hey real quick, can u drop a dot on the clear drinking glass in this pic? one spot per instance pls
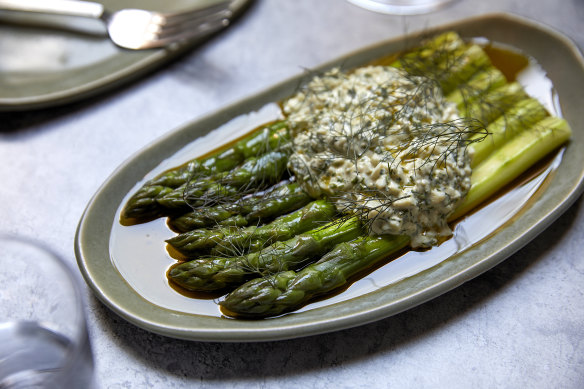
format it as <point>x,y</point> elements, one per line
<point>43,332</point>
<point>402,7</point>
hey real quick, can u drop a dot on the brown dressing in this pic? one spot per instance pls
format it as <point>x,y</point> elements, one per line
<point>508,62</point>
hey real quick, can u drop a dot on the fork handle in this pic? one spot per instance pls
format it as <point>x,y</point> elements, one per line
<point>85,9</point>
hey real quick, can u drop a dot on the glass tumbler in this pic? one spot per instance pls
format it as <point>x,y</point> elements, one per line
<point>43,331</point>
<point>402,7</point>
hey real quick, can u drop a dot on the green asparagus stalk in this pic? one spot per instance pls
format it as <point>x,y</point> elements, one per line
<point>521,116</point>
<point>457,70</point>
<point>283,228</point>
<point>446,59</point>
<point>431,52</point>
<point>480,84</point>
<point>255,174</point>
<point>176,177</point>
<point>450,68</point>
<point>143,205</point>
<point>275,202</point>
<point>204,217</point>
<point>218,273</point>
<point>260,172</point>
<point>494,104</point>
<point>278,200</point>
<point>512,159</point>
<point>289,290</point>
<point>272,137</point>
<point>234,241</point>
<point>175,201</point>
<point>234,221</point>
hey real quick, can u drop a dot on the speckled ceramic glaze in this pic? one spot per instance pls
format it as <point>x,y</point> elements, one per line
<point>566,70</point>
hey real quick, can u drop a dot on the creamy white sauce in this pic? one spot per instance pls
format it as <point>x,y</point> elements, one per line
<point>383,145</point>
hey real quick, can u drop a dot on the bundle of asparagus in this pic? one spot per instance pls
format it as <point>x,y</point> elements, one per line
<point>258,159</point>
<point>245,231</point>
<point>288,290</point>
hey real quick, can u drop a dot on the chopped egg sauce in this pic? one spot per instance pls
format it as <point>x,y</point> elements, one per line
<point>384,145</point>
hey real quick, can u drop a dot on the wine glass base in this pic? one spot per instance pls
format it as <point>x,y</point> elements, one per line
<point>402,7</point>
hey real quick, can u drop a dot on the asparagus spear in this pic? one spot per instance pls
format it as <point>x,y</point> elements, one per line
<point>176,177</point>
<point>260,172</point>
<point>289,290</point>
<point>272,137</point>
<point>521,116</point>
<point>449,68</point>
<point>278,200</point>
<point>234,221</point>
<point>513,158</point>
<point>143,205</point>
<point>283,228</point>
<point>204,217</point>
<point>457,70</point>
<point>480,84</point>
<point>275,202</point>
<point>175,201</point>
<point>229,240</point>
<point>224,272</point>
<point>255,174</point>
<point>494,104</point>
<point>431,52</point>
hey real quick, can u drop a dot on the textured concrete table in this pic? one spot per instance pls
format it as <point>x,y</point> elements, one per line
<point>518,325</point>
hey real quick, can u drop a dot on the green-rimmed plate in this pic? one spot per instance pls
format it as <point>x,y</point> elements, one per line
<point>47,60</point>
<point>125,265</point>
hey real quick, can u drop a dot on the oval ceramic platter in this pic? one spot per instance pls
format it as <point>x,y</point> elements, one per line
<point>125,266</point>
<point>49,60</point>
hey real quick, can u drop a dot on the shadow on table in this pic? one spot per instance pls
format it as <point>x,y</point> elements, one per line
<point>210,361</point>
<point>14,122</point>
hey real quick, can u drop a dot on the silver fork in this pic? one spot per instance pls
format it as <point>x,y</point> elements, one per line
<point>136,29</point>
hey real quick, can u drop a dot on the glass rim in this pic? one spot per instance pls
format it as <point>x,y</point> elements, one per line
<point>402,7</point>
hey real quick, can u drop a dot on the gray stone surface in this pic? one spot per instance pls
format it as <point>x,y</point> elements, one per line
<point>518,325</point>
